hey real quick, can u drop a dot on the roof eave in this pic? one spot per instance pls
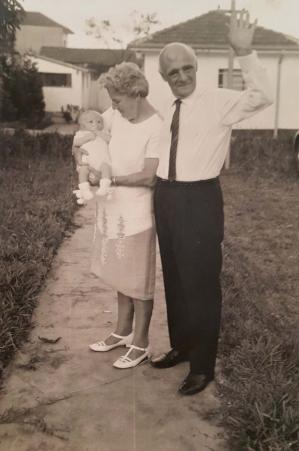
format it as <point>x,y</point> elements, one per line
<point>61,63</point>
<point>67,30</point>
<point>218,48</point>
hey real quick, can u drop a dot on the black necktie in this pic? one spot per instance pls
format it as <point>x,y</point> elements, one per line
<point>174,128</point>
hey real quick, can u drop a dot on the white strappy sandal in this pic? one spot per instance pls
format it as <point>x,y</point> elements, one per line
<point>126,362</point>
<point>101,346</point>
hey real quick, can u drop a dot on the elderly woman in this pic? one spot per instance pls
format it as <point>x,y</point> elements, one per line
<point>124,244</point>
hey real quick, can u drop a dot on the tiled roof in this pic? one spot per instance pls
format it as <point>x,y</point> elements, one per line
<point>210,31</point>
<point>37,19</point>
<point>90,57</point>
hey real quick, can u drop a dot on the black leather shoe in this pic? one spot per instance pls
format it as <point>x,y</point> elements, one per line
<point>194,383</point>
<point>170,359</point>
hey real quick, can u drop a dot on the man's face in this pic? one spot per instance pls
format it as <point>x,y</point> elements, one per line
<point>179,70</point>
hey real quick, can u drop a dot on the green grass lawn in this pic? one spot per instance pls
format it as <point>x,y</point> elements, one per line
<point>36,205</point>
<point>259,344</point>
<point>259,347</point>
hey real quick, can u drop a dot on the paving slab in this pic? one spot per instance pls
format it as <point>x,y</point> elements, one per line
<point>63,397</point>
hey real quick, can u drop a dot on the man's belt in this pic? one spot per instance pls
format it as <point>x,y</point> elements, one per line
<point>187,182</point>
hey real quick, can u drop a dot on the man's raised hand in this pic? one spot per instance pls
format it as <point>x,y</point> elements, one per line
<point>241,32</point>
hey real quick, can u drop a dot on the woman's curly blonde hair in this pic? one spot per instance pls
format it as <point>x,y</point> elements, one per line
<point>125,78</point>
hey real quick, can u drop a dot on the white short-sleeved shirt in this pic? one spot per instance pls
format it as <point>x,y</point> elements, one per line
<point>97,150</point>
<point>129,209</point>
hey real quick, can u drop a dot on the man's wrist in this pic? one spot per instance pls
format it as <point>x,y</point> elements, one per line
<point>114,181</point>
<point>242,51</point>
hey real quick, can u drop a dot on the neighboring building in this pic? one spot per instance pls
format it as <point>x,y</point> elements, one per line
<point>207,35</point>
<point>68,74</point>
<point>37,30</point>
<point>64,84</point>
<point>98,60</point>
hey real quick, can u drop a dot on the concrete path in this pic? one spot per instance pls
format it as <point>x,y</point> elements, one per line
<point>63,397</point>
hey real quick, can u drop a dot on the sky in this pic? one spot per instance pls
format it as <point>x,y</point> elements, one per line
<point>278,15</point>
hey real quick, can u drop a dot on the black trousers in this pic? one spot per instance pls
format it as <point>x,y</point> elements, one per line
<point>189,221</point>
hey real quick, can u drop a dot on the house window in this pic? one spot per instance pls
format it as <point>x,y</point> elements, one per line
<point>237,79</point>
<point>57,80</point>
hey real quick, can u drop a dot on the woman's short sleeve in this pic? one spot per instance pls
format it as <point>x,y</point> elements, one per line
<point>152,148</point>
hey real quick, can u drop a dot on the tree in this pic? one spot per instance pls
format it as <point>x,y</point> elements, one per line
<point>11,13</point>
<point>139,25</point>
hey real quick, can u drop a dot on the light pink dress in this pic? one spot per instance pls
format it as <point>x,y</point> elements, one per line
<point>124,252</point>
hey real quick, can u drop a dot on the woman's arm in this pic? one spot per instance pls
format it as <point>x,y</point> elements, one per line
<point>146,177</point>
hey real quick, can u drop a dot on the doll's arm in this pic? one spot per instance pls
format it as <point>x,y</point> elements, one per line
<point>78,153</point>
<point>105,135</point>
<point>79,139</point>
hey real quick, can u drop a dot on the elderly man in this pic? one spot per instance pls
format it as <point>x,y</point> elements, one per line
<point>188,200</point>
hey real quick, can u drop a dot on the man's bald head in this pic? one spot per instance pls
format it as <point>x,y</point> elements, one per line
<point>171,52</point>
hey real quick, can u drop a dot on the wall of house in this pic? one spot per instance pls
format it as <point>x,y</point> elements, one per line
<point>86,84</point>
<point>56,97</point>
<point>33,38</point>
<point>289,97</point>
<point>98,98</point>
<point>208,66</point>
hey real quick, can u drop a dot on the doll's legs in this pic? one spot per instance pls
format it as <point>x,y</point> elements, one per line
<point>105,181</point>
<point>83,172</point>
<point>106,171</point>
<point>84,187</point>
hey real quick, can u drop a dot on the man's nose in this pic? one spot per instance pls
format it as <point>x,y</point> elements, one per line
<point>182,76</point>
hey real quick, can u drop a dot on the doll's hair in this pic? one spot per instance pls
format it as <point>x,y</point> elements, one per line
<point>125,78</point>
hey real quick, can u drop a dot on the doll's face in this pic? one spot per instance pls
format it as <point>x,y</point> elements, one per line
<point>92,122</point>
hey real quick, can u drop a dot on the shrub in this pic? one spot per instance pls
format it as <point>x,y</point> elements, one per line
<point>22,90</point>
<point>257,152</point>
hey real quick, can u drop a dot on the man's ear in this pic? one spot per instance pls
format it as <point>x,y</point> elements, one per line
<point>163,76</point>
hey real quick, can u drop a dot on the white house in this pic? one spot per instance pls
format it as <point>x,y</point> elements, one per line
<point>207,34</point>
<point>37,30</point>
<point>69,75</point>
<point>64,83</point>
<point>97,61</point>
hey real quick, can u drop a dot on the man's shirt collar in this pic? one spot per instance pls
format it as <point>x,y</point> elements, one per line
<point>187,100</point>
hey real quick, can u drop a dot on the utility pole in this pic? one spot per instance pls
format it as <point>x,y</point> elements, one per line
<point>231,52</point>
<point>278,87</point>
<point>230,74</point>
<point>230,71</point>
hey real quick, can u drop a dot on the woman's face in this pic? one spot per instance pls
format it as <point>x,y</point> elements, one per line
<point>126,105</point>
